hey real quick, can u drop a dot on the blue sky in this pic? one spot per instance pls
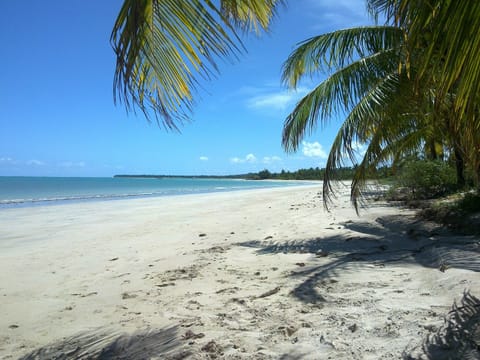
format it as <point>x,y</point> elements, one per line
<point>57,116</point>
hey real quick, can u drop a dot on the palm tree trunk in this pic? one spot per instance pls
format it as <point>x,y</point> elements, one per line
<point>459,166</point>
<point>432,151</point>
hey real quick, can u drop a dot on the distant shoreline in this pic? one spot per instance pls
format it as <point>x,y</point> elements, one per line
<point>242,177</point>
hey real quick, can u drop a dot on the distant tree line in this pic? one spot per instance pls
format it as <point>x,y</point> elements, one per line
<point>344,173</point>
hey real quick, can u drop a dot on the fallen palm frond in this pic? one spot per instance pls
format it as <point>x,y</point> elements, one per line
<point>458,338</point>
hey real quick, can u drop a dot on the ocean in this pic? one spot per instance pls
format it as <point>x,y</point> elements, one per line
<point>19,191</point>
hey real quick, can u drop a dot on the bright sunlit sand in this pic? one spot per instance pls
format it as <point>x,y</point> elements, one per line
<point>248,274</point>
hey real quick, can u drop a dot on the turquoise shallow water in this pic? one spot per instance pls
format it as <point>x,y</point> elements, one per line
<point>30,191</point>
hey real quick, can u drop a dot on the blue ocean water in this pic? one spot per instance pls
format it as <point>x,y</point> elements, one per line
<point>29,191</point>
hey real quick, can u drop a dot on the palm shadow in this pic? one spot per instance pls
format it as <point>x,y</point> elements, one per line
<point>106,345</point>
<point>390,239</point>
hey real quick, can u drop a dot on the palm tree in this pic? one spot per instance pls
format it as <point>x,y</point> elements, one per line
<point>447,31</point>
<point>394,103</point>
<point>365,84</point>
<point>163,48</point>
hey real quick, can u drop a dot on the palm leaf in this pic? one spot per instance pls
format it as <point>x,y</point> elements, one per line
<point>458,338</point>
<point>333,51</point>
<point>340,92</point>
<point>446,31</point>
<point>163,48</point>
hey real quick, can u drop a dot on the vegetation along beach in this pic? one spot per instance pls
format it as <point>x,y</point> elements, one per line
<point>309,194</point>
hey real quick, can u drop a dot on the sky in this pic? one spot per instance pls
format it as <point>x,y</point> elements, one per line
<point>58,117</point>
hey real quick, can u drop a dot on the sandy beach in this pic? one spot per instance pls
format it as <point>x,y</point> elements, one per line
<point>258,274</point>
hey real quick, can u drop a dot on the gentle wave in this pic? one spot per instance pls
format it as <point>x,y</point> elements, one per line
<point>75,198</point>
<point>31,191</point>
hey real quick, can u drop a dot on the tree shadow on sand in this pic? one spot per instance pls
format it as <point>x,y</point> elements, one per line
<point>390,239</point>
<point>104,345</point>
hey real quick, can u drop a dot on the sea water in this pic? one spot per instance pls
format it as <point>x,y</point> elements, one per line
<point>29,191</point>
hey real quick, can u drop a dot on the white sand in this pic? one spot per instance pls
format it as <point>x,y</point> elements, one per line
<point>261,273</point>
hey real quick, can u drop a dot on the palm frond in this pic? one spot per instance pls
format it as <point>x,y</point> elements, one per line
<point>338,94</point>
<point>250,15</point>
<point>398,136</point>
<point>333,51</point>
<point>363,121</point>
<point>446,31</point>
<point>163,48</point>
<point>458,338</point>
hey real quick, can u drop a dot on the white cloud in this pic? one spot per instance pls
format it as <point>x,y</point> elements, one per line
<point>69,164</point>
<point>271,159</point>
<point>314,149</point>
<point>7,160</point>
<point>203,158</point>
<point>279,100</point>
<point>275,101</point>
<point>250,158</point>
<point>35,162</point>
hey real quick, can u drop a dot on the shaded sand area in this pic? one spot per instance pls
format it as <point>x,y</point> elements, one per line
<point>260,274</point>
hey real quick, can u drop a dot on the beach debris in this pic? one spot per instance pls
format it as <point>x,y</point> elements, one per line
<point>13,326</point>
<point>114,259</point>
<point>238,301</point>
<point>268,237</point>
<point>231,290</point>
<point>353,328</point>
<point>443,267</point>
<point>189,334</point>
<point>84,295</point>
<point>165,284</point>
<point>212,347</point>
<point>202,235</point>
<point>287,330</point>
<point>121,275</point>
<point>269,293</point>
<point>193,305</point>
<point>215,249</point>
<point>321,253</point>
<point>327,342</point>
<point>126,295</point>
<point>301,264</point>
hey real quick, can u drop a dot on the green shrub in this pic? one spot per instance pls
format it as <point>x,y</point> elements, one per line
<point>470,203</point>
<point>427,179</point>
